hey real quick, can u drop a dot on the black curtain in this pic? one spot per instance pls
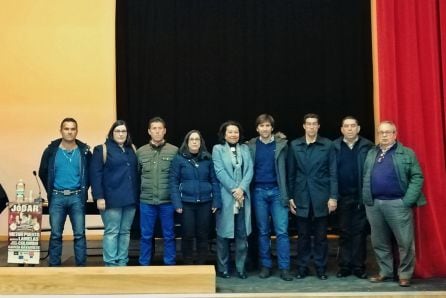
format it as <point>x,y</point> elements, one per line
<point>3,199</point>
<point>198,63</point>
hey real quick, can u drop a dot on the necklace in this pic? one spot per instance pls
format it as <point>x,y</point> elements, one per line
<point>69,154</point>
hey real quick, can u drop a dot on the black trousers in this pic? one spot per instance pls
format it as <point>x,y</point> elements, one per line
<point>316,227</point>
<point>196,224</point>
<point>353,227</point>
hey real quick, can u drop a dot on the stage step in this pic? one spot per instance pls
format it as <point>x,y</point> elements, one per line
<point>107,280</point>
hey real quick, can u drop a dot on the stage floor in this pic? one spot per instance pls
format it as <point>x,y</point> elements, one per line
<point>254,284</point>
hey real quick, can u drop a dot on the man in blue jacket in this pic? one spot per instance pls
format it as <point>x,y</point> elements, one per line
<point>64,173</point>
<point>313,188</point>
<point>351,150</point>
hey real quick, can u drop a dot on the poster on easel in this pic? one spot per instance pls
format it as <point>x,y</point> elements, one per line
<point>24,223</point>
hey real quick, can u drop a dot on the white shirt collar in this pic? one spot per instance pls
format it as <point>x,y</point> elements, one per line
<point>352,144</point>
<point>385,149</point>
<point>268,141</point>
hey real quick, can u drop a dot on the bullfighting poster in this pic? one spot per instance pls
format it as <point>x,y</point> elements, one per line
<point>24,223</point>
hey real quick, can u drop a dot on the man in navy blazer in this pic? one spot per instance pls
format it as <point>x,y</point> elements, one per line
<point>351,151</point>
<point>313,187</point>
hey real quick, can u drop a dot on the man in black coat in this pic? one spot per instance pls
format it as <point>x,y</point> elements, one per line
<point>351,151</point>
<point>313,188</point>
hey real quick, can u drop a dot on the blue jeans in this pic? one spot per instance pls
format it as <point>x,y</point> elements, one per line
<point>149,213</point>
<point>60,207</point>
<point>115,244</point>
<point>268,202</point>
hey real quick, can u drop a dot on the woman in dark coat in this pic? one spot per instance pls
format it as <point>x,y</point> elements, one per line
<point>115,183</point>
<point>195,193</point>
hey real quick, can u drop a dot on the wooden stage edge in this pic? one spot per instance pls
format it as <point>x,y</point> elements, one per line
<point>150,281</point>
<point>107,280</point>
<point>147,281</point>
<point>318,295</point>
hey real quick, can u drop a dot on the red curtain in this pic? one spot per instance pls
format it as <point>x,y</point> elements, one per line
<point>411,54</point>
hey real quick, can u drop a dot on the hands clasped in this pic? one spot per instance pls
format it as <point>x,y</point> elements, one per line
<point>238,194</point>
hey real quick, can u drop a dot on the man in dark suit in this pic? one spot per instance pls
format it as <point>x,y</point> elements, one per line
<point>313,187</point>
<point>351,150</point>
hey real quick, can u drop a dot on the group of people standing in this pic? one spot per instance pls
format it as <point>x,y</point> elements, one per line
<point>310,177</point>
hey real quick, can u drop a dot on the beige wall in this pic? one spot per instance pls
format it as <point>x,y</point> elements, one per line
<point>57,59</point>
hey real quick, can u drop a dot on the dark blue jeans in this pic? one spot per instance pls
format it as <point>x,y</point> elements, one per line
<point>148,215</point>
<point>268,203</point>
<point>60,207</point>
<point>316,227</point>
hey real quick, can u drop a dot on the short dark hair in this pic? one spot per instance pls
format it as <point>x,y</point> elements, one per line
<point>157,119</point>
<point>262,118</point>
<point>184,148</point>
<point>222,131</point>
<point>68,119</point>
<point>311,115</point>
<point>128,141</point>
<point>349,117</point>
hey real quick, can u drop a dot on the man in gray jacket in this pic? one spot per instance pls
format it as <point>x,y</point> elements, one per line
<point>270,197</point>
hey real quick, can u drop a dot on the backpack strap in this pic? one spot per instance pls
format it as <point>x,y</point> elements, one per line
<point>104,153</point>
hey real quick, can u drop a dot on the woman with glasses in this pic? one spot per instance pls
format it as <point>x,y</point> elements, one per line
<point>195,194</point>
<point>115,188</point>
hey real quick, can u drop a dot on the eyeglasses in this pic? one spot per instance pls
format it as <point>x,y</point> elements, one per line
<point>195,139</point>
<point>120,131</point>
<point>386,132</point>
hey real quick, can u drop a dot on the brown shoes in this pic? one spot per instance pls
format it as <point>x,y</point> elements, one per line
<point>404,282</point>
<point>379,278</point>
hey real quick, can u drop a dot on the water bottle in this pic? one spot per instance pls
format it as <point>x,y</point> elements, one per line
<point>20,191</point>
